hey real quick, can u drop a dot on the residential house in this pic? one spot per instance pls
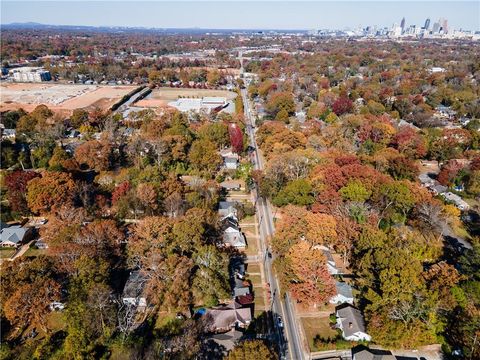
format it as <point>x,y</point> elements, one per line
<point>227,209</point>
<point>133,292</point>
<point>232,236</point>
<point>343,294</point>
<point>230,159</point>
<point>225,318</point>
<point>331,264</point>
<point>426,180</point>
<point>237,267</point>
<point>445,112</point>
<point>8,134</point>
<point>229,339</point>
<point>231,185</point>
<point>14,235</point>
<point>457,200</point>
<point>41,244</point>
<point>438,189</point>
<point>56,306</point>
<point>350,321</point>
<point>373,354</point>
<point>240,287</point>
<point>403,123</point>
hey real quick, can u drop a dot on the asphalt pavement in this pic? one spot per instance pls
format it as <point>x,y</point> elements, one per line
<point>286,330</point>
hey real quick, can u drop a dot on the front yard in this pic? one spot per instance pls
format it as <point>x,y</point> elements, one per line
<point>6,253</point>
<point>317,326</point>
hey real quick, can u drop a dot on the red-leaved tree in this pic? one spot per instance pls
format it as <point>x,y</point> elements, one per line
<point>236,138</point>
<point>16,185</point>
<point>342,105</point>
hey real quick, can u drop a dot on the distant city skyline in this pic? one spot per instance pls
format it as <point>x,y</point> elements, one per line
<point>294,15</point>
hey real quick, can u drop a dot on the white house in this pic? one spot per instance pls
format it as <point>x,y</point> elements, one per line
<point>230,159</point>
<point>232,236</point>
<point>8,134</point>
<point>457,200</point>
<point>331,265</point>
<point>350,321</point>
<point>133,290</point>
<point>344,294</point>
<point>227,209</point>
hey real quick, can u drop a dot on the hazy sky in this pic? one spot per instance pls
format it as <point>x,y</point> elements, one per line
<point>242,14</point>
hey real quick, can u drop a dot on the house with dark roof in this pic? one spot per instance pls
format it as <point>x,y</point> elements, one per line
<point>350,321</point>
<point>133,292</point>
<point>343,294</point>
<point>373,354</point>
<point>14,235</point>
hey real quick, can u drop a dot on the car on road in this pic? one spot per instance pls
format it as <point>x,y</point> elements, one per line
<point>280,322</point>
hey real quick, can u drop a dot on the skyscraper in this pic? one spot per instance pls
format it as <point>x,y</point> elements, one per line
<point>444,24</point>
<point>402,24</point>
<point>427,24</point>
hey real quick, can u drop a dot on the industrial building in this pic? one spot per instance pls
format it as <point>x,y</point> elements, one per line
<point>30,74</point>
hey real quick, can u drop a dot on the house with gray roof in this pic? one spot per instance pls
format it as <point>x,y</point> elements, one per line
<point>373,354</point>
<point>457,200</point>
<point>331,264</point>
<point>343,294</point>
<point>133,292</point>
<point>227,209</point>
<point>350,321</point>
<point>240,288</point>
<point>14,235</point>
<point>224,318</point>
<point>232,236</point>
<point>438,189</point>
<point>230,159</point>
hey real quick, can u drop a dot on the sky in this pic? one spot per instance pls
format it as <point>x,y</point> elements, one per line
<point>243,14</point>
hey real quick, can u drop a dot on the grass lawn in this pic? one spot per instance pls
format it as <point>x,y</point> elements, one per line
<point>255,279</point>
<point>259,299</point>
<point>248,229</point>
<point>33,251</point>
<point>460,231</point>
<point>314,326</point>
<point>165,320</point>
<point>6,253</point>
<point>252,248</point>
<point>248,220</point>
<point>55,321</point>
<point>253,268</point>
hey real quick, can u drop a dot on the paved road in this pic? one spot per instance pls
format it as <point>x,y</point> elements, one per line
<point>291,346</point>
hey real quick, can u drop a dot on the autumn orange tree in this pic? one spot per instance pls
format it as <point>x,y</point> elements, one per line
<point>27,294</point>
<point>53,189</point>
<point>312,282</point>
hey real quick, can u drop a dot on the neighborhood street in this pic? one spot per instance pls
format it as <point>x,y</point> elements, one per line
<point>284,319</point>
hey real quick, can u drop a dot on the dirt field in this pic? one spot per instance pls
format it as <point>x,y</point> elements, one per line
<point>59,97</point>
<point>161,96</point>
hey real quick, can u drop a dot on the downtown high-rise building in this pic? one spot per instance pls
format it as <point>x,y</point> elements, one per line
<point>444,24</point>
<point>402,25</point>
<point>427,24</point>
